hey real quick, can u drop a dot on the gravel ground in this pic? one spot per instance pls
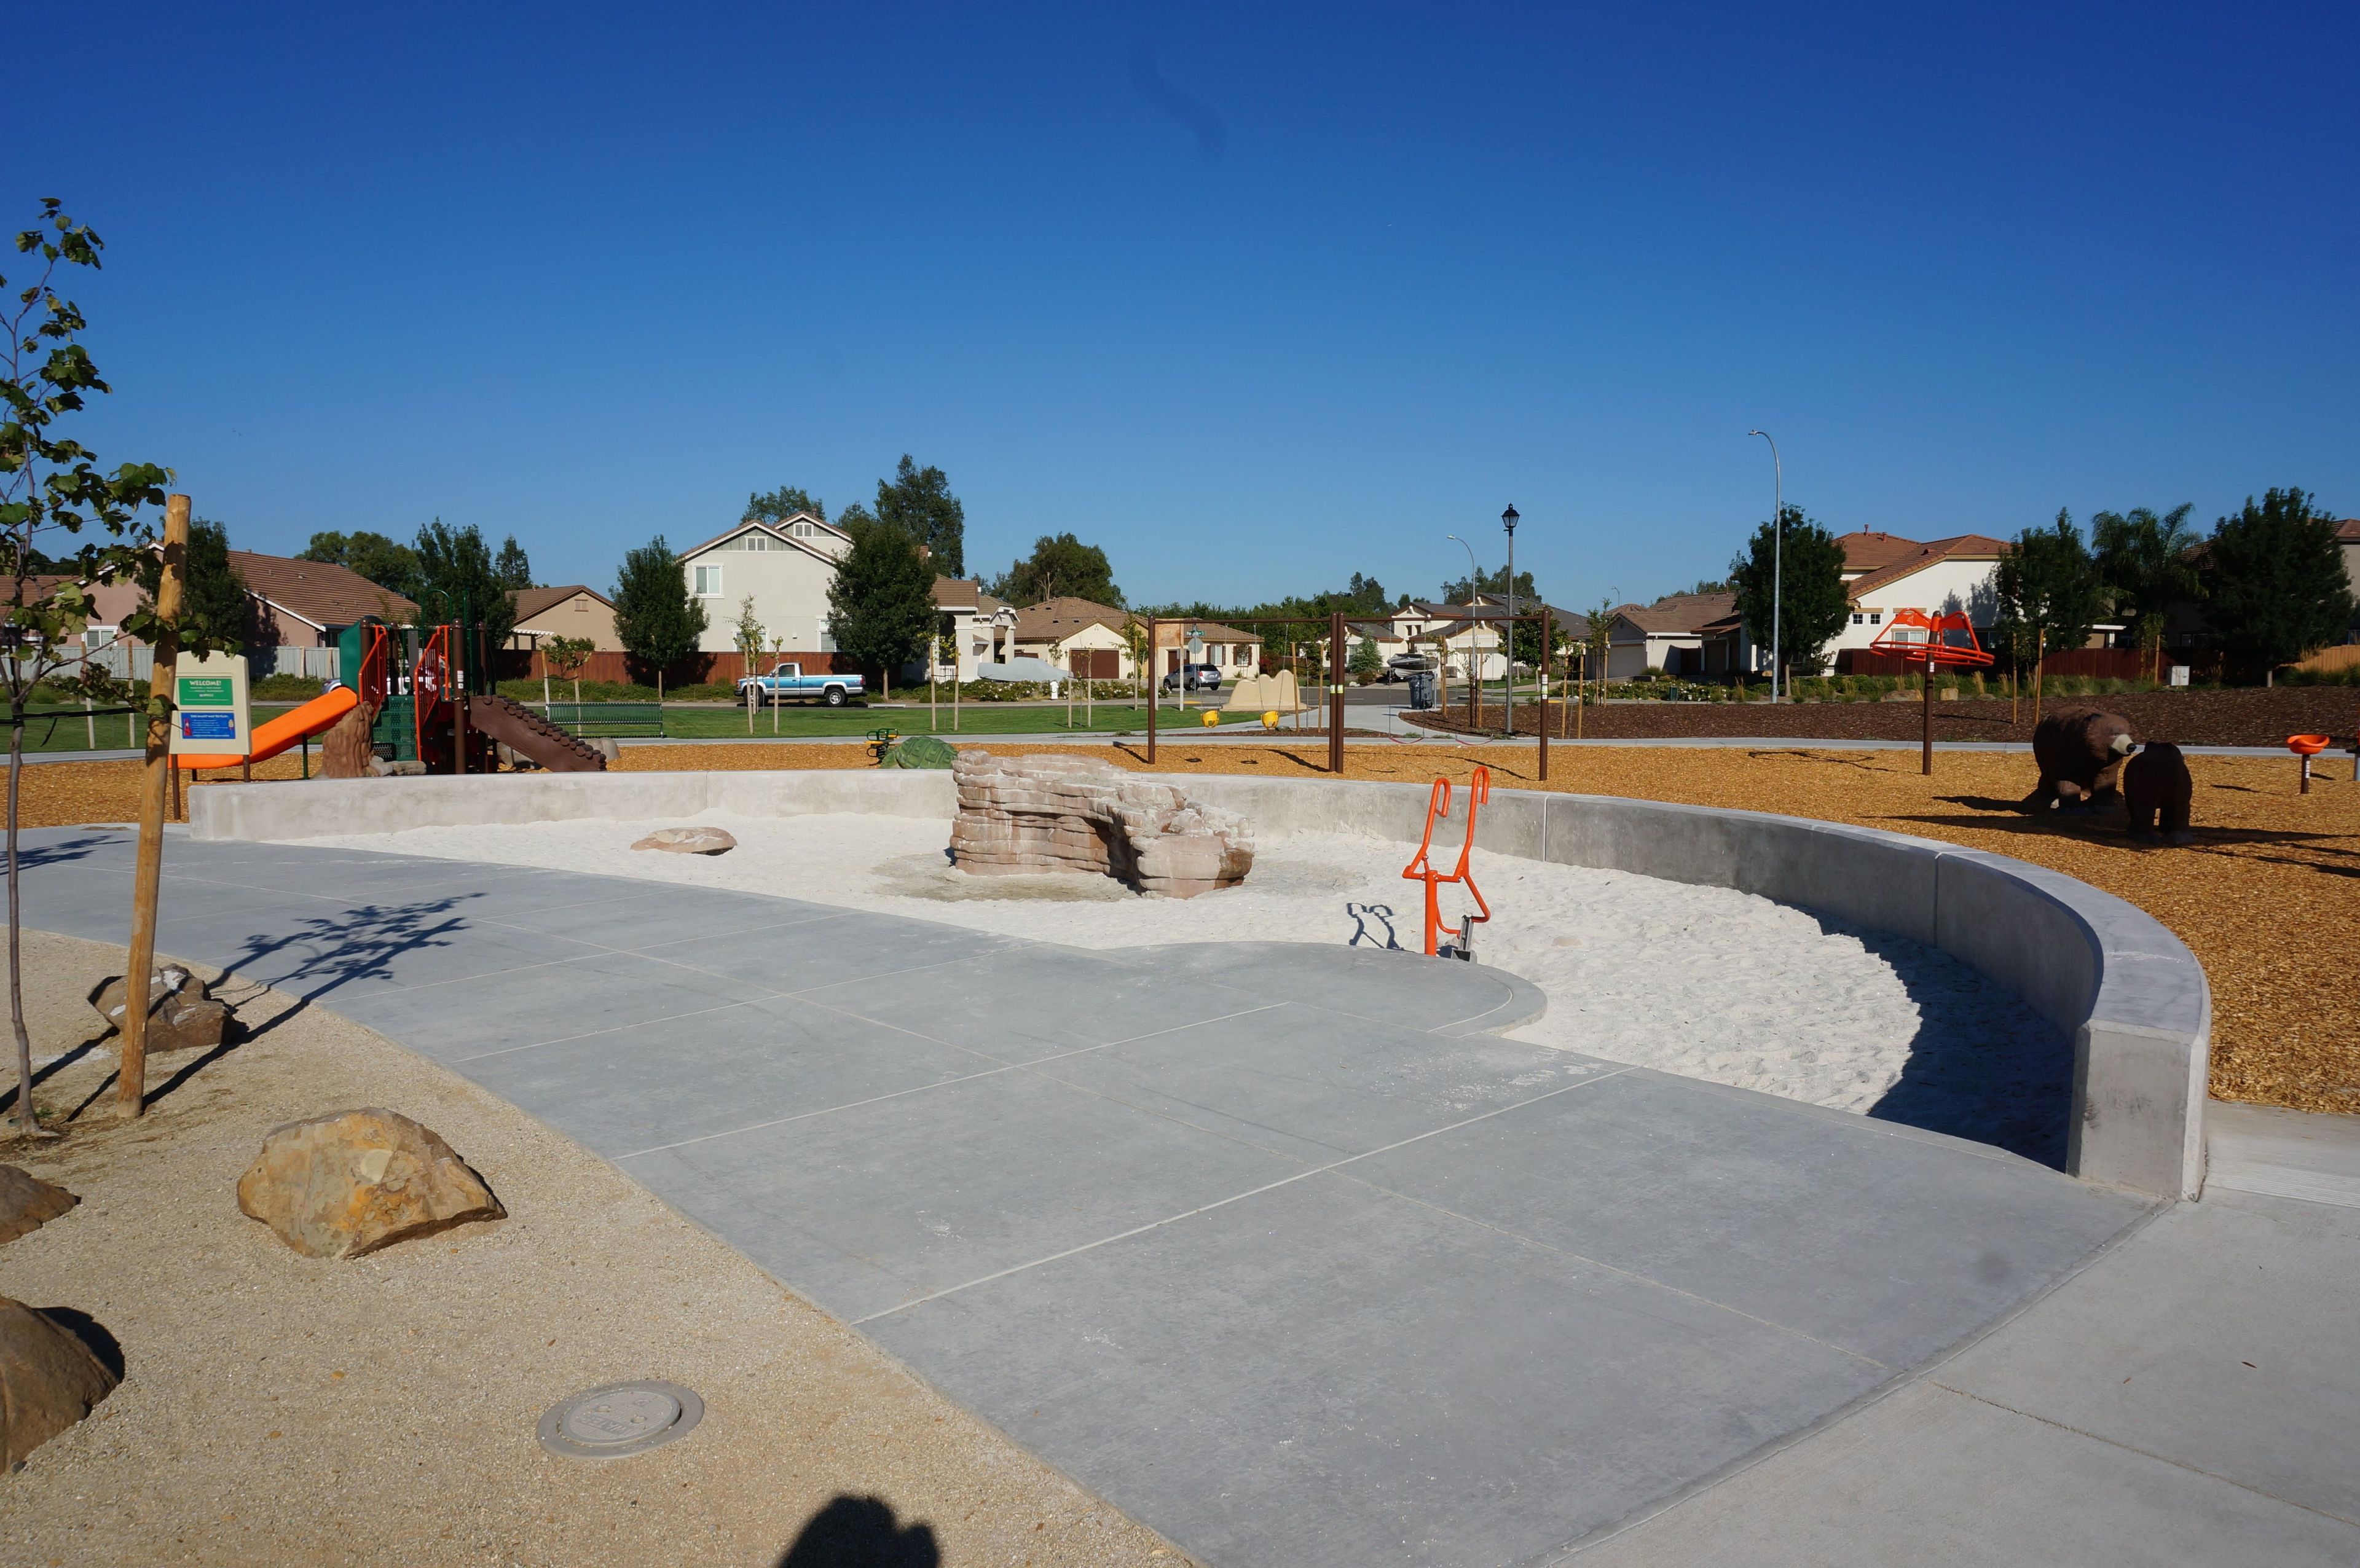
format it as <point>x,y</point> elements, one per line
<point>284,1410</point>
<point>1706,982</point>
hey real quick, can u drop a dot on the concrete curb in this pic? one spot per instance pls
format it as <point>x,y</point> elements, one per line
<point>2133,997</point>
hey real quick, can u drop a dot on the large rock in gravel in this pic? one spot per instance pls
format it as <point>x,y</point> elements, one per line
<point>181,1016</point>
<point>341,1185</point>
<point>689,841</point>
<point>28,1202</point>
<point>49,1381</point>
<point>1078,813</point>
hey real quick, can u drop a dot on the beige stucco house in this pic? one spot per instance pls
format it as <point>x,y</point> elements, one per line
<point>570,611</point>
<point>786,568</point>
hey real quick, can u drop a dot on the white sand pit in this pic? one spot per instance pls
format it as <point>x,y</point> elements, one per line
<point>1705,982</point>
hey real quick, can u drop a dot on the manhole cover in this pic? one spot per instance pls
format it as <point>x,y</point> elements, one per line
<point>619,1418</point>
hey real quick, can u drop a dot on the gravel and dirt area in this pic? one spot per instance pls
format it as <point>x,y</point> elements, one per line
<point>277,1409</point>
<point>2235,716</point>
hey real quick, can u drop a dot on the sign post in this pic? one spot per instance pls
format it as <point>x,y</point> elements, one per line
<point>211,712</point>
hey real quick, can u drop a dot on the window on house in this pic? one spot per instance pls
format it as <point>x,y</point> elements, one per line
<point>581,607</point>
<point>708,582</point>
<point>1858,619</point>
<point>1876,618</point>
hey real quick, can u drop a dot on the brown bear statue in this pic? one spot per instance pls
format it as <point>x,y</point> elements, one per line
<point>2079,754</point>
<point>2156,788</point>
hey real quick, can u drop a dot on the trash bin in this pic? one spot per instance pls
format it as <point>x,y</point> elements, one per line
<point>1421,688</point>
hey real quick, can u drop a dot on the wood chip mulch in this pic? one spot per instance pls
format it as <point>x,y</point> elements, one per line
<point>2267,898</point>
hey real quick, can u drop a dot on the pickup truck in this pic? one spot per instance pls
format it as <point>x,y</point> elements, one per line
<point>787,682</point>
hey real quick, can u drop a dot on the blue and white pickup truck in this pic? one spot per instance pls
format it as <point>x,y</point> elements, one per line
<point>787,682</point>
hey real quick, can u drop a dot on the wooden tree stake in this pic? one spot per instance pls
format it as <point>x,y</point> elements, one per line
<point>148,874</point>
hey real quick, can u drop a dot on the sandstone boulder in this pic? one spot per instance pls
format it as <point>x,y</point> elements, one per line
<point>49,1381</point>
<point>28,1202</point>
<point>340,1185</point>
<point>1082,814</point>
<point>688,840</point>
<point>181,1016</point>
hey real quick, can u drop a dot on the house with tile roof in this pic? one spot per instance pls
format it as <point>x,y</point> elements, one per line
<point>1669,635</point>
<point>970,619</point>
<point>1883,573</point>
<point>306,603</point>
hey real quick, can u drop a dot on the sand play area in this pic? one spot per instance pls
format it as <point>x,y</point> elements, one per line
<point>1705,982</point>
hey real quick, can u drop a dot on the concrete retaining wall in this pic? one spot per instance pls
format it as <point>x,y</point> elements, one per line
<point>2133,997</point>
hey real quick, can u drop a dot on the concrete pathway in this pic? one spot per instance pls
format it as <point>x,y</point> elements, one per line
<point>1280,1248</point>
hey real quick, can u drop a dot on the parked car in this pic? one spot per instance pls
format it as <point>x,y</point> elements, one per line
<point>787,683</point>
<point>1200,678</point>
<point>1401,666</point>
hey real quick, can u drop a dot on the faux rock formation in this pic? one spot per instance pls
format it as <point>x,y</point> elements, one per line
<point>2158,791</point>
<point>2079,754</point>
<point>49,1381</point>
<point>341,1185</point>
<point>181,1016</point>
<point>28,1202</point>
<point>688,840</point>
<point>1080,814</point>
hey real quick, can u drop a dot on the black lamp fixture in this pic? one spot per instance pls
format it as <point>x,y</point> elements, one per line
<point>1508,519</point>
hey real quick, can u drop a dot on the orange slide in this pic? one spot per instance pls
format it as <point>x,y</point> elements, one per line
<point>286,730</point>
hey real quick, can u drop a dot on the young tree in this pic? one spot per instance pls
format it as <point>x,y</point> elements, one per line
<point>919,501</point>
<point>1059,565</point>
<point>52,490</point>
<point>1599,644</point>
<point>457,581</point>
<point>657,618</point>
<point>2145,566</point>
<point>1805,577</point>
<point>778,506</point>
<point>565,657</point>
<point>2047,592</point>
<point>512,567</point>
<point>390,565</point>
<point>2274,583</point>
<point>881,605</point>
<point>1365,663</point>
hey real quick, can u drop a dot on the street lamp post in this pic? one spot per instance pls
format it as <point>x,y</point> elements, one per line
<point>1508,521</point>
<point>1778,555</point>
<point>1474,654</point>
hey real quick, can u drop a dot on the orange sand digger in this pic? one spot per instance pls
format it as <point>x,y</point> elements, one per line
<point>1479,790</point>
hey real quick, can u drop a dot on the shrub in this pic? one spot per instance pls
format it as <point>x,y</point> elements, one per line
<point>284,688</point>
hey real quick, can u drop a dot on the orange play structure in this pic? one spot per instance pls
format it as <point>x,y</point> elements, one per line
<point>288,729</point>
<point>1479,790</point>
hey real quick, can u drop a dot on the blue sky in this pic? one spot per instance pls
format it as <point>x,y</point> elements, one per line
<point>1254,298</point>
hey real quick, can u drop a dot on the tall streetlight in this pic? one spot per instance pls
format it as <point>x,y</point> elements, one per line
<point>1508,521</point>
<point>1778,554</point>
<point>1474,668</point>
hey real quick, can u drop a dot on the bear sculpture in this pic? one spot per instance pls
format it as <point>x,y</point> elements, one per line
<point>2156,788</point>
<point>2079,754</point>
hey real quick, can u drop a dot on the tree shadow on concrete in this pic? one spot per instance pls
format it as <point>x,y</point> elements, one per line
<point>361,944</point>
<point>1980,1066</point>
<point>31,856</point>
<point>861,1532</point>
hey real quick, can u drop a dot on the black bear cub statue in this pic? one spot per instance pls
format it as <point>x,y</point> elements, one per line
<point>2156,788</point>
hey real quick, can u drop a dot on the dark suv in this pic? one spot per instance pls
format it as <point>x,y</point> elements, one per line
<point>1200,678</point>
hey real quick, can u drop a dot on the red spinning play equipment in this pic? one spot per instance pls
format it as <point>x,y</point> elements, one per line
<point>2307,748</point>
<point>1946,640</point>
<point>1479,790</point>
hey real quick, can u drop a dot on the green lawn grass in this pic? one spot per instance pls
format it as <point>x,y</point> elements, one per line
<point>65,729</point>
